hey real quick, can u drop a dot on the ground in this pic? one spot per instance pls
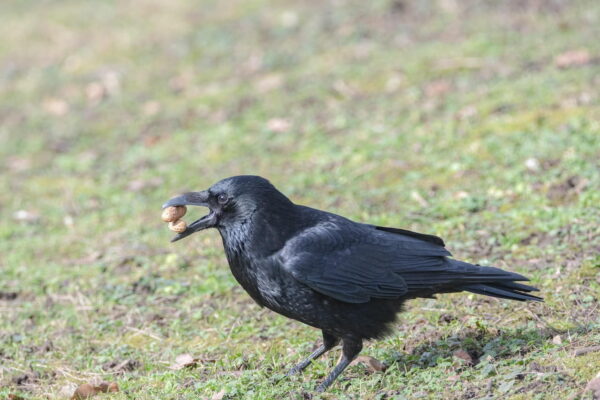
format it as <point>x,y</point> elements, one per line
<point>476,121</point>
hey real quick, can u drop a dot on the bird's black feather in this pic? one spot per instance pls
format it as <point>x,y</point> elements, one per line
<point>355,263</point>
<point>349,279</point>
<point>421,236</point>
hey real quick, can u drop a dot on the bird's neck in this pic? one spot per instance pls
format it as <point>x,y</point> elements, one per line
<point>263,233</point>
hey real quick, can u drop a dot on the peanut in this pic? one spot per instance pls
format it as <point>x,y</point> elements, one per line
<point>172,214</point>
<point>178,226</point>
<point>84,391</point>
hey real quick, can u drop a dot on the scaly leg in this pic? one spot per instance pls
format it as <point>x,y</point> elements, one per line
<point>350,349</point>
<point>329,341</point>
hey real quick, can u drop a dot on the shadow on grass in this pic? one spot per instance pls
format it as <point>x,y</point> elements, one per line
<point>481,346</point>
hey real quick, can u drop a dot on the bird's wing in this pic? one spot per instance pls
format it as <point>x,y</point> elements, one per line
<point>421,236</point>
<point>353,262</point>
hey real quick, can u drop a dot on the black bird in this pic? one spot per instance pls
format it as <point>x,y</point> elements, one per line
<point>346,278</point>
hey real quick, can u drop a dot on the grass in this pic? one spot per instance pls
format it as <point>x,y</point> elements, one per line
<point>449,118</point>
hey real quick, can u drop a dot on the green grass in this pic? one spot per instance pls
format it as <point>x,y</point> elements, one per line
<point>448,118</point>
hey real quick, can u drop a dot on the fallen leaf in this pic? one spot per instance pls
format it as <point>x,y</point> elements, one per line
<point>184,361</point>
<point>344,89</point>
<point>372,364</point>
<point>151,108</point>
<point>219,395</point>
<point>461,195</point>
<point>95,92</point>
<point>111,82</point>
<point>416,196</point>
<point>84,391</point>
<point>112,388</point>
<point>594,386</point>
<point>394,83</point>
<point>69,221</point>
<point>467,112</point>
<point>66,391</point>
<point>151,140</point>
<point>15,397</point>
<point>18,164</point>
<point>578,100</point>
<point>87,390</point>
<point>278,125</point>
<point>56,107</point>
<point>26,216</point>
<point>557,339</point>
<point>532,164</point>
<point>572,58</point>
<point>437,88</point>
<point>463,355</point>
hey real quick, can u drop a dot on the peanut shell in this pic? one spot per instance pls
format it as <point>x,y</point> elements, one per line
<point>178,226</point>
<point>172,214</point>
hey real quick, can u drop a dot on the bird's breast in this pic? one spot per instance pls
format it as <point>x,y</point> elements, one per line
<point>244,273</point>
<point>267,284</point>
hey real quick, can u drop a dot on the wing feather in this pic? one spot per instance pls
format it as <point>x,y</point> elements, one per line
<point>355,263</point>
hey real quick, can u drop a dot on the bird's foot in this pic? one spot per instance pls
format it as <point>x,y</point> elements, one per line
<point>321,388</point>
<point>295,370</point>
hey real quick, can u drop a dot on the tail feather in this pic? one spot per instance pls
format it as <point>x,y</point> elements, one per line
<point>495,282</point>
<point>517,286</point>
<point>452,276</point>
<point>501,291</point>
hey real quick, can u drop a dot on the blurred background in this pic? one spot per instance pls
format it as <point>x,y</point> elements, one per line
<point>478,121</point>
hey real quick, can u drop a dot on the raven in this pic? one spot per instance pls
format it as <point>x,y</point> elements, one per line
<point>346,278</point>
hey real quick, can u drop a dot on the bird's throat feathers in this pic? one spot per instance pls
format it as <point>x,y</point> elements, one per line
<point>264,231</point>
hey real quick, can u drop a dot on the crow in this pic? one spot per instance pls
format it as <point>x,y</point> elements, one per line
<point>348,279</point>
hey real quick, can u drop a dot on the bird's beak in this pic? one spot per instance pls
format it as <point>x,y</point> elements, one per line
<point>193,199</point>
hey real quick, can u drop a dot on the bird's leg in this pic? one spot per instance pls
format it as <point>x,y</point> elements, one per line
<point>329,341</point>
<point>350,349</point>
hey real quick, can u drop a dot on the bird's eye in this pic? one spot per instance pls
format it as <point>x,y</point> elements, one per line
<point>222,198</point>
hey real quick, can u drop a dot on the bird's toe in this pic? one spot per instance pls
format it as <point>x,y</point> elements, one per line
<point>320,388</point>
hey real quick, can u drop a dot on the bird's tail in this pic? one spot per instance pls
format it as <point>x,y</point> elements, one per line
<point>495,282</point>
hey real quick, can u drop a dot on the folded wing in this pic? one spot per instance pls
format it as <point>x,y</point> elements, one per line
<point>355,263</point>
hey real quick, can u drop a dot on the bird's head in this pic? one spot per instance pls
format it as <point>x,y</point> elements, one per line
<point>230,201</point>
